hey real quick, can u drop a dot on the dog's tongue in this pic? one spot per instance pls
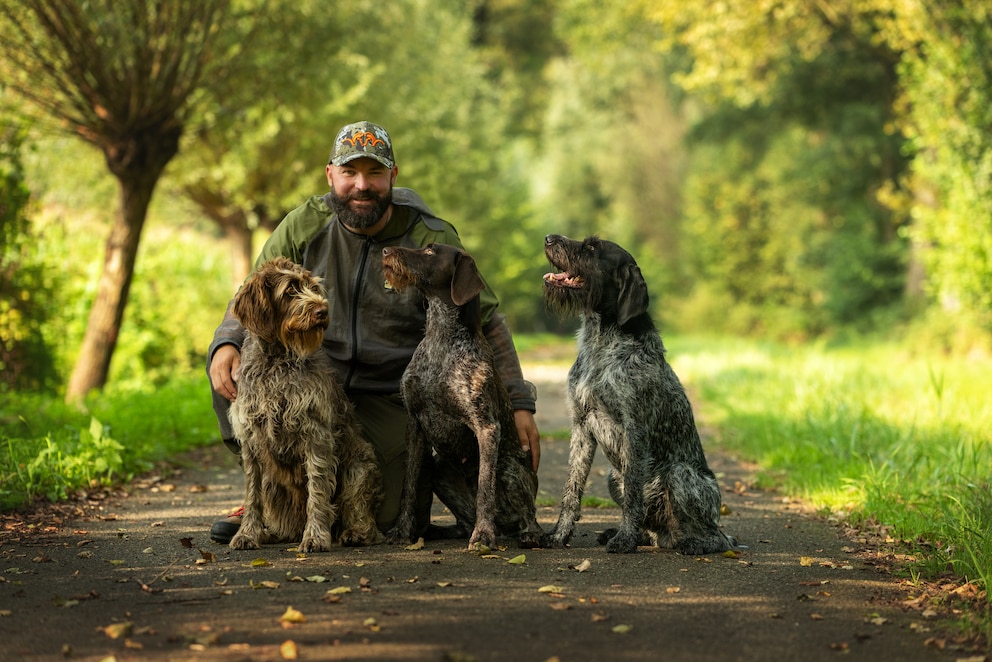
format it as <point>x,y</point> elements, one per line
<point>565,279</point>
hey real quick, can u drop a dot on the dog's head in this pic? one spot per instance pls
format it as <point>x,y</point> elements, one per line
<point>594,276</point>
<point>281,302</point>
<point>440,272</point>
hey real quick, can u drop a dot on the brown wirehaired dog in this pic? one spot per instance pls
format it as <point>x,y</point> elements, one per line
<point>310,475</point>
<point>459,406</point>
<point>625,398</point>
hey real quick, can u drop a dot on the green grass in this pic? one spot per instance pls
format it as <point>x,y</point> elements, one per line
<point>49,449</point>
<point>873,433</point>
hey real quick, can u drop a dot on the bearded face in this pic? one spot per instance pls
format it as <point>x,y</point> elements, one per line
<point>361,216</point>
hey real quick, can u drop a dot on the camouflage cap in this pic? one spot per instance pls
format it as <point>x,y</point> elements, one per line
<point>362,139</point>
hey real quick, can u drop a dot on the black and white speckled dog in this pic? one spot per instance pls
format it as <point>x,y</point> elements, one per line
<point>310,475</point>
<point>625,397</point>
<point>459,407</point>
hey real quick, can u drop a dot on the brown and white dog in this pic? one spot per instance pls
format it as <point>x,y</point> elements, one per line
<point>310,475</point>
<point>459,406</point>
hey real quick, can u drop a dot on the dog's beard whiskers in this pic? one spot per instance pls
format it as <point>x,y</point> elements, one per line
<point>302,342</point>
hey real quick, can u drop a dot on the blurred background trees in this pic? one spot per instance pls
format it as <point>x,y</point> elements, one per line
<point>792,169</point>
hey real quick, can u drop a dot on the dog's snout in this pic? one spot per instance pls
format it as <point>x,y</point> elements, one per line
<point>387,251</point>
<point>550,239</point>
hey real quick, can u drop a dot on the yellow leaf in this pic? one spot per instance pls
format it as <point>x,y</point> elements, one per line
<point>550,588</point>
<point>517,560</point>
<point>369,622</point>
<point>293,616</point>
<point>116,562</point>
<point>288,650</point>
<point>805,561</point>
<point>119,630</point>
<point>339,590</point>
<point>263,584</point>
<point>317,579</point>
<point>622,629</point>
<point>672,589</point>
<point>259,563</point>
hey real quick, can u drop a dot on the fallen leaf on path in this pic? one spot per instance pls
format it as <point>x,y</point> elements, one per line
<point>444,584</point>
<point>672,589</point>
<point>550,588</point>
<point>339,590</point>
<point>288,650</point>
<point>186,542</point>
<point>317,579</point>
<point>5,613</point>
<point>806,561</point>
<point>816,617</point>
<point>582,567</point>
<point>118,630</point>
<point>560,606</point>
<point>259,563</point>
<point>207,556</point>
<point>599,617</point>
<point>878,620</point>
<point>117,562</point>
<point>517,560</point>
<point>292,617</point>
<point>372,624</point>
<point>198,488</point>
<point>622,629</point>
<point>842,646</point>
<point>263,584</point>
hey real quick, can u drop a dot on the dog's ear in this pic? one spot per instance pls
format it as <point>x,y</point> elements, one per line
<point>466,283</point>
<point>253,308</point>
<point>633,299</point>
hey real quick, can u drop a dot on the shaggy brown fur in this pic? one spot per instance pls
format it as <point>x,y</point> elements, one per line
<point>459,407</point>
<point>310,475</point>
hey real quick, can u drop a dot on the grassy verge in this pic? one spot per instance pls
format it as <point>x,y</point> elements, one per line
<point>48,449</point>
<point>887,439</point>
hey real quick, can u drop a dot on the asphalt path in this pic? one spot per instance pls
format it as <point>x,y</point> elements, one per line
<point>133,576</point>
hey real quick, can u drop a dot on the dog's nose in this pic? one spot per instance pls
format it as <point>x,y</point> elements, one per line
<point>550,239</point>
<point>386,251</point>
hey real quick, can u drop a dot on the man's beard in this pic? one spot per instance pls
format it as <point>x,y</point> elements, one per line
<point>359,219</point>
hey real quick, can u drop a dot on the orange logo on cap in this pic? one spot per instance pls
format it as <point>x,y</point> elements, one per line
<point>365,139</point>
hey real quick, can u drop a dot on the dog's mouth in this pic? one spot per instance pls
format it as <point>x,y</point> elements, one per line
<point>564,279</point>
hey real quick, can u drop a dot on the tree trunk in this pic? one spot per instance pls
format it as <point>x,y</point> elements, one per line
<point>137,164</point>
<point>239,237</point>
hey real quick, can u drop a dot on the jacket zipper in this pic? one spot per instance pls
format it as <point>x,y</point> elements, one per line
<point>355,305</point>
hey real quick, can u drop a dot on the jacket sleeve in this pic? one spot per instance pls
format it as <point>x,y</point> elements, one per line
<point>230,332</point>
<point>523,394</point>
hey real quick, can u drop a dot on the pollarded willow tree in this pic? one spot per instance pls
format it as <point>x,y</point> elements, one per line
<point>124,76</point>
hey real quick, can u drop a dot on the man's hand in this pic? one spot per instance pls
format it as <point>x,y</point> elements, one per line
<point>225,369</point>
<point>530,438</point>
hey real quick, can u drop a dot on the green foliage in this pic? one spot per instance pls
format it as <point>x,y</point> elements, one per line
<point>26,281</point>
<point>948,86</point>
<point>49,449</point>
<point>875,433</point>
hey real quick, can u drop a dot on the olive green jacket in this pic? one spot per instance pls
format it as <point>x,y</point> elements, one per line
<point>375,329</point>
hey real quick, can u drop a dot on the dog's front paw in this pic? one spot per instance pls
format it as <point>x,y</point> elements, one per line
<point>556,539</point>
<point>311,544</point>
<point>400,534</point>
<point>484,535</point>
<point>624,542</point>
<point>354,538</point>
<point>241,541</point>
